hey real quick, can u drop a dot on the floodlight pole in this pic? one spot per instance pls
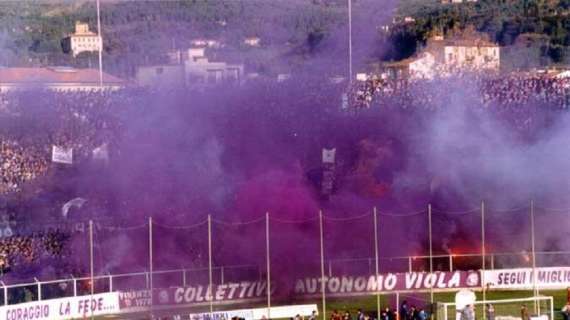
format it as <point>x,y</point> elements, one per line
<point>323,289</point>
<point>349,41</point>
<point>268,265</point>
<point>91,262</point>
<point>533,248</point>
<point>483,256</point>
<point>210,265</point>
<point>150,264</point>
<point>377,264</point>
<point>430,251</point>
<point>100,45</point>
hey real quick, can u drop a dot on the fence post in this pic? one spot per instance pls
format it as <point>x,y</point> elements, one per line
<point>410,264</point>
<point>430,251</point>
<point>110,282</point>
<point>268,267</point>
<point>450,263</point>
<point>398,306</point>
<point>210,263</point>
<point>222,275</point>
<point>150,265</point>
<point>5,293</point>
<point>330,268</point>
<point>323,288</point>
<point>39,288</point>
<point>74,286</point>
<point>184,277</point>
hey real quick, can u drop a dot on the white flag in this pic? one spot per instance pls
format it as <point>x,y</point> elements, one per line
<point>75,203</point>
<point>101,153</point>
<point>62,155</point>
<point>329,155</point>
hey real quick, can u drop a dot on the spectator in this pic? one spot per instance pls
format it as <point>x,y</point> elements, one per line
<point>404,310</point>
<point>468,313</point>
<point>490,312</point>
<point>566,311</point>
<point>524,313</point>
<point>387,314</point>
<point>313,315</point>
<point>422,314</point>
<point>360,315</point>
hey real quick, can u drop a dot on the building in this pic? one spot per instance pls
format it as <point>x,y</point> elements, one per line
<point>470,52</point>
<point>456,1</point>
<point>190,68</point>
<point>161,76</point>
<point>460,53</point>
<point>199,70</point>
<point>422,66</point>
<point>210,43</point>
<point>56,78</point>
<point>83,40</point>
<point>252,41</point>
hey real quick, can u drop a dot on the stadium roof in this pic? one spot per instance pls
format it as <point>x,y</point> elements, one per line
<point>55,75</point>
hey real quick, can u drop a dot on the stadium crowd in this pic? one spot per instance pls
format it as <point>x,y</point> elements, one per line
<point>511,91</point>
<point>20,164</point>
<point>30,124</point>
<point>19,250</point>
<point>82,121</point>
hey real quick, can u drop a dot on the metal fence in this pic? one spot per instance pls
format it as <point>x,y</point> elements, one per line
<point>223,252</point>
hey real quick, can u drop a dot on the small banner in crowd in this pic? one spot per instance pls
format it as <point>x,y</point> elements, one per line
<point>101,153</point>
<point>135,299</point>
<point>329,155</point>
<point>62,155</point>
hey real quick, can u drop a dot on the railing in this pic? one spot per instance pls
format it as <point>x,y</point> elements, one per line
<point>77,286</point>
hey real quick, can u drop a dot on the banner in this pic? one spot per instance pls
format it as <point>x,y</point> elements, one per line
<point>62,155</point>
<point>246,314</point>
<point>65,308</point>
<point>411,281</point>
<point>245,290</point>
<point>548,278</point>
<point>284,312</point>
<point>134,299</point>
<point>309,287</point>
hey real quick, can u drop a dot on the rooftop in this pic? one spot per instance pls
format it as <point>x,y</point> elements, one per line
<point>61,75</point>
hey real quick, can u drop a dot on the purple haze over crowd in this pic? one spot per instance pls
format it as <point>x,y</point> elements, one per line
<point>236,153</point>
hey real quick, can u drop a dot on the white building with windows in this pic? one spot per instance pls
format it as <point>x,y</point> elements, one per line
<point>472,53</point>
<point>83,40</point>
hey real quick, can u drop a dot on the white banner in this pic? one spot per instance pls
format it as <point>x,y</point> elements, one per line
<point>65,308</point>
<point>284,312</point>
<point>62,155</point>
<point>548,278</point>
<point>246,314</point>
